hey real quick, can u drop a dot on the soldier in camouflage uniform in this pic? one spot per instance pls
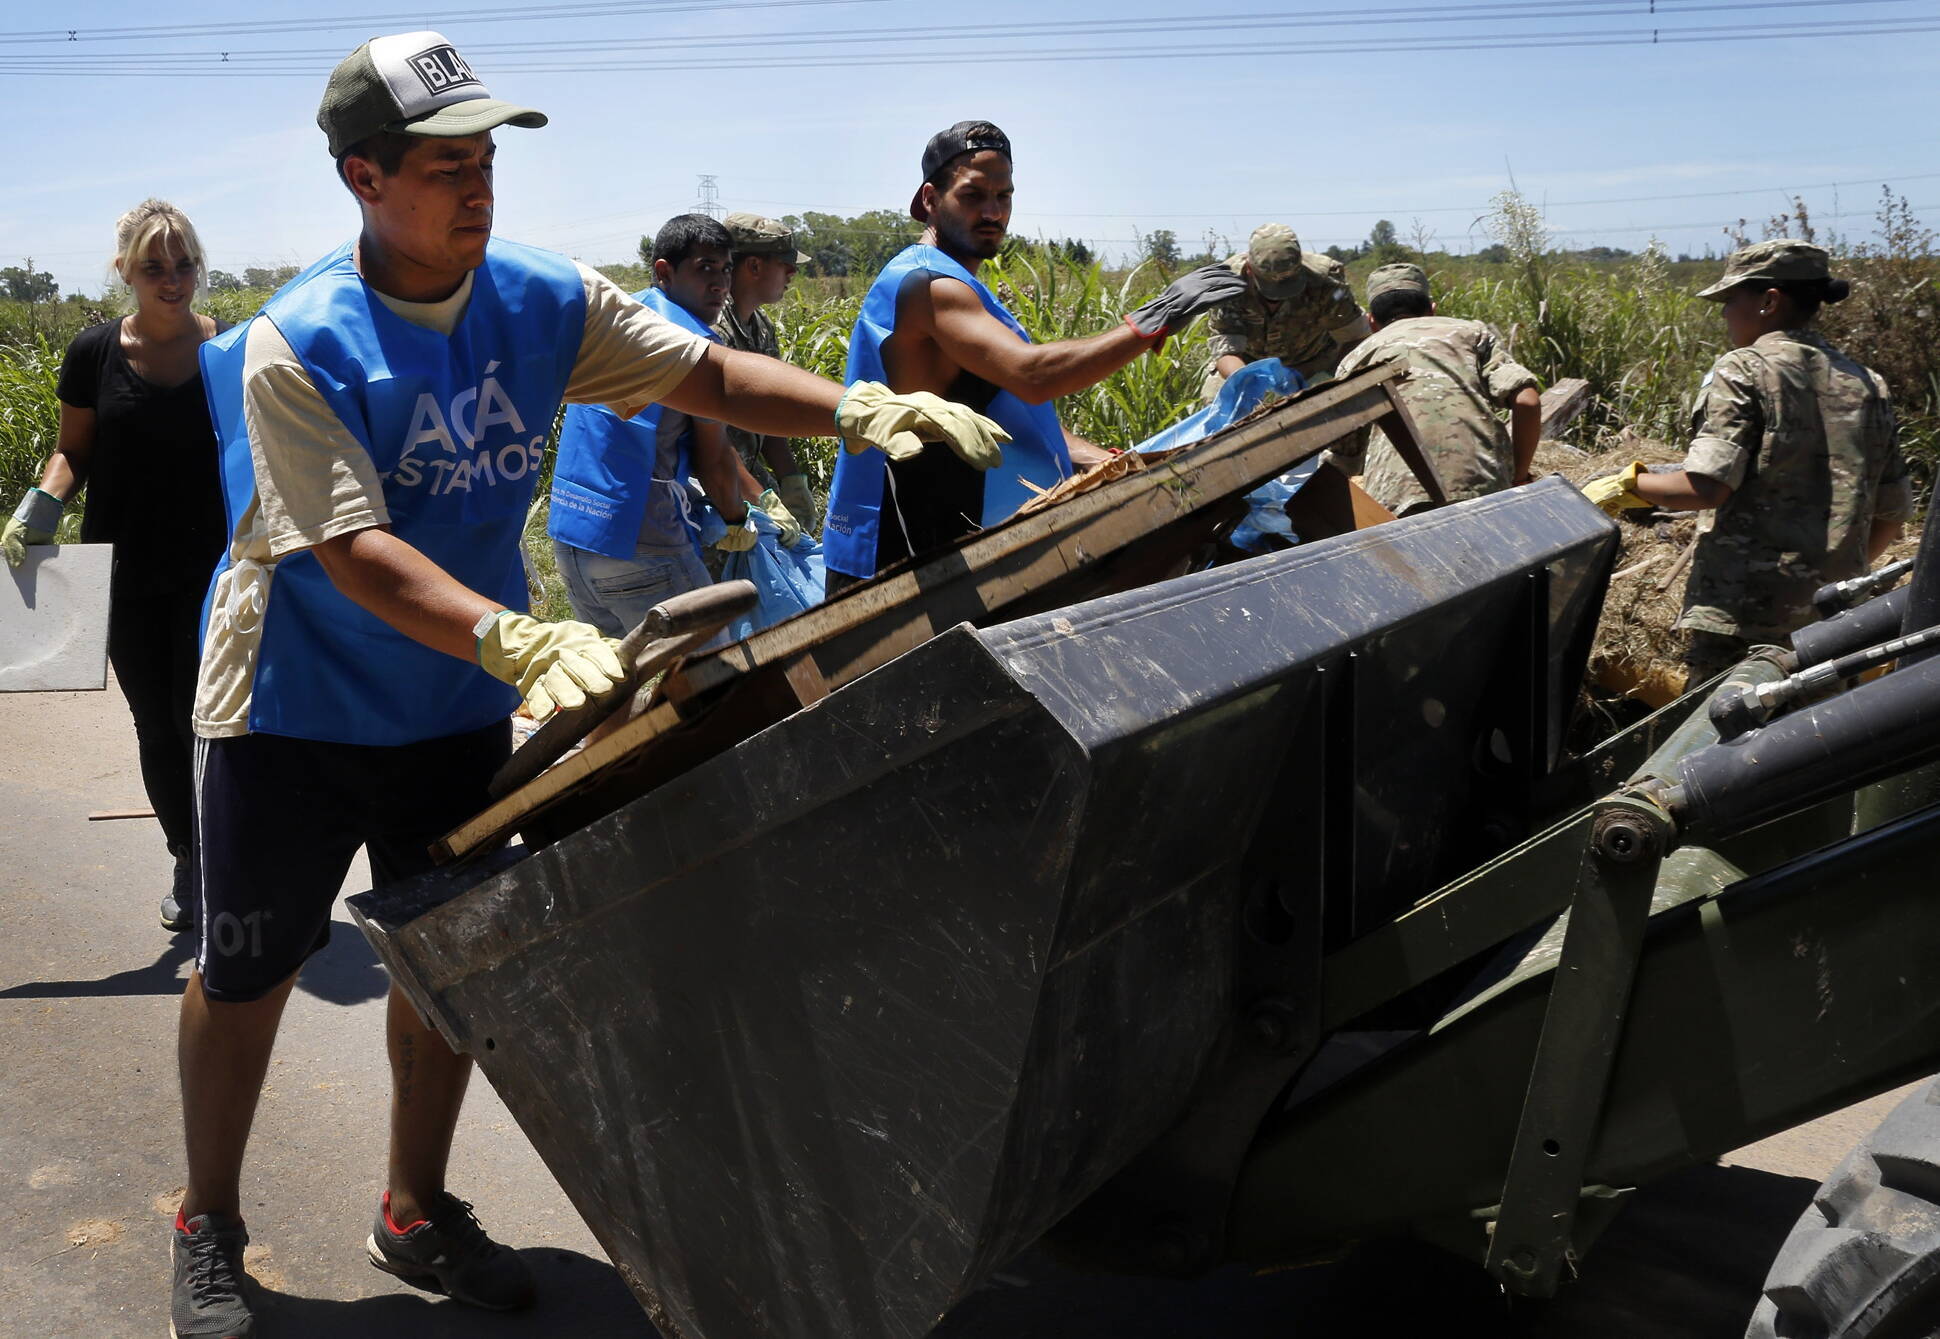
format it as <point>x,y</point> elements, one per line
<point>1458,374</point>
<point>765,260</point>
<point>1795,446</point>
<point>1296,308</point>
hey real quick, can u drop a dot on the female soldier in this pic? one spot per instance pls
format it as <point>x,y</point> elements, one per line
<point>1795,448</point>
<point>135,430</point>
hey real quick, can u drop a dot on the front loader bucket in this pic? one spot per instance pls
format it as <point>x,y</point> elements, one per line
<point>820,1033</point>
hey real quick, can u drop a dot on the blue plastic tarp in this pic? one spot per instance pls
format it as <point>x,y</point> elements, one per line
<point>1266,506</point>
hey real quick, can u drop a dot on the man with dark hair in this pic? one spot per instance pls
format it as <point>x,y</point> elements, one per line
<point>623,521</point>
<point>380,426</point>
<point>1296,308</point>
<point>929,323</point>
<point>1459,373</point>
<point>765,261</point>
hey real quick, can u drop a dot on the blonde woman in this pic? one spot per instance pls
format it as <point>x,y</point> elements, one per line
<point>135,430</point>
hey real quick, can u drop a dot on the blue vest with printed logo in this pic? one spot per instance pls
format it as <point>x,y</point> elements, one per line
<point>455,427</point>
<point>606,496</point>
<point>1036,451</point>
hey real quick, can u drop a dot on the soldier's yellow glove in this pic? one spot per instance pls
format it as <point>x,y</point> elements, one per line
<point>557,666</point>
<point>1617,492</point>
<point>870,414</point>
<point>34,522</point>
<point>799,498</point>
<point>778,512</point>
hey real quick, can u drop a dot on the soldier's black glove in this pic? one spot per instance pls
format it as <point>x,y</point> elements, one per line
<point>1188,295</point>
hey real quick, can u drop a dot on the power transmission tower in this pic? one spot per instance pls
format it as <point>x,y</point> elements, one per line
<point>710,201</point>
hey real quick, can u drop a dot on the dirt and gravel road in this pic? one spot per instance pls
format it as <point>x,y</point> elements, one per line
<point>91,1164</point>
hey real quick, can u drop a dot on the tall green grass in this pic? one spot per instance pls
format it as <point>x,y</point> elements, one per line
<point>29,414</point>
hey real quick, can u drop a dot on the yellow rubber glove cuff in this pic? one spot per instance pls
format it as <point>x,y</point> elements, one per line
<point>778,512</point>
<point>799,498</point>
<point>739,538</point>
<point>556,666</point>
<point>870,414</point>
<point>1617,492</point>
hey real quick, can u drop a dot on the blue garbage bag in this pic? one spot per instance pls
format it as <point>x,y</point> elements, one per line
<point>1240,396</point>
<point>1266,506</point>
<point>786,580</point>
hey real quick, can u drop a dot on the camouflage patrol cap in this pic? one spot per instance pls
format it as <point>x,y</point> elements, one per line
<point>754,235</point>
<point>1273,256</point>
<point>1780,261</point>
<point>1391,278</point>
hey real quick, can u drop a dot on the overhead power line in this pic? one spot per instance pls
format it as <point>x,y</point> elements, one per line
<point>387,22</point>
<point>237,65</point>
<point>1483,11</point>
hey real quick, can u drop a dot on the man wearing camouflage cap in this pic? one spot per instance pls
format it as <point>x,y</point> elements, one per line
<point>1459,374</point>
<point>1296,308</point>
<point>765,261</point>
<point>1795,448</point>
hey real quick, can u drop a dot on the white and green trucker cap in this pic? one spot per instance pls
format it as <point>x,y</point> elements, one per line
<point>415,83</point>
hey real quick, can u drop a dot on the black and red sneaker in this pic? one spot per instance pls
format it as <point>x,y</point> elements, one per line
<point>449,1253</point>
<point>206,1300</point>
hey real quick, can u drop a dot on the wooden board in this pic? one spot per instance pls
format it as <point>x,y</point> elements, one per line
<point>1562,403</point>
<point>1125,533</point>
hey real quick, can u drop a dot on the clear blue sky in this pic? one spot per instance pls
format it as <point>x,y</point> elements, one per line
<point>1226,127</point>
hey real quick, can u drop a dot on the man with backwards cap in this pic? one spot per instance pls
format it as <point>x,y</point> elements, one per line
<point>1459,374</point>
<point>380,424</point>
<point>929,323</point>
<point>1296,308</point>
<point>765,260</point>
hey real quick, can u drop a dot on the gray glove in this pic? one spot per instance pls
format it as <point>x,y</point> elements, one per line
<point>1188,295</point>
<point>34,522</point>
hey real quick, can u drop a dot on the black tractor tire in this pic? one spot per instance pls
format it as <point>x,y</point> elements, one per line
<point>1863,1261</point>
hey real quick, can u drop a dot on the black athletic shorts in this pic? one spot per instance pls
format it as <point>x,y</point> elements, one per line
<point>278,820</point>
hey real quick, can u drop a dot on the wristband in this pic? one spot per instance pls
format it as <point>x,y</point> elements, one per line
<point>484,625</point>
<point>40,510</point>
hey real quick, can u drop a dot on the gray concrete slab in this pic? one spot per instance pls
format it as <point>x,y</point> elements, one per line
<point>54,619</point>
<point>91,1162</point>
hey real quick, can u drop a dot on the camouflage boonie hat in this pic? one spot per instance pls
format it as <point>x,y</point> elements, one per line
<point>1781,261</point>
<point>1390,278</point>
<point>753,235</point>
<point>1273,255</point>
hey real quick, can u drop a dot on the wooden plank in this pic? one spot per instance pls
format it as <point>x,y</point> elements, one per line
<point>1404,436</point>
<point>1563,403</point>
<point>1002,569</point>
<point>1330,504</point>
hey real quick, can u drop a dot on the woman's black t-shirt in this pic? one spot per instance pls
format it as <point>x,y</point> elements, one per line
<point>154,490</point>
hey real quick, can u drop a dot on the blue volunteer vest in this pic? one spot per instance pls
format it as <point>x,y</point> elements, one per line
<point>603,479</point>
<point>456,428</point>
<point>1036,450</point>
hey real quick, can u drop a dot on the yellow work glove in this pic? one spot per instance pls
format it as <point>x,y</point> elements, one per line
<point>1617,492</point>
<point>799,498</point>
<point>784,519</point>
<point>34,522</point>
<point>557,666</point>
<point>870,414</point>
<point>740,537</point>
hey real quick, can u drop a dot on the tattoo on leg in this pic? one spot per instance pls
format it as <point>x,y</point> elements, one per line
<point>406,1068</point>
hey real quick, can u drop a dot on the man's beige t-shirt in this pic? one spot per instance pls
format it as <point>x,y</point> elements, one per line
<point>315,480</point>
